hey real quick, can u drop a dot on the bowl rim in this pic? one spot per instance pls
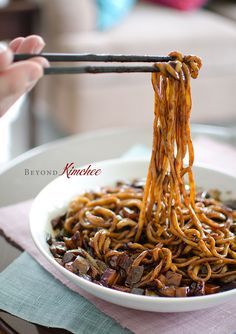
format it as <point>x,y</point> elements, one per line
<point>87,285</point>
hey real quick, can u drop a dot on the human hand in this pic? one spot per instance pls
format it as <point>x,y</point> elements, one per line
<point>18,78</point>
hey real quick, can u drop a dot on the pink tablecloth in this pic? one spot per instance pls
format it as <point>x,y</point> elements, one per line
<point>220,320</point>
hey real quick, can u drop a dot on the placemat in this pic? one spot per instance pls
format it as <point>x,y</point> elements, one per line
<point>31,293</point>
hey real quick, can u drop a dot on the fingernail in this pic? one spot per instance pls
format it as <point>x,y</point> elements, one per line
<point>3,47</point>
<point>44,62</point>
<point>40,45</point>
<point>41,61</point>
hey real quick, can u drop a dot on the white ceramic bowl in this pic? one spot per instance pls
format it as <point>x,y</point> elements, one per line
<point>54,198</point>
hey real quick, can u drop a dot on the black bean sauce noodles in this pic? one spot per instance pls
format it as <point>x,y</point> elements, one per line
<point>157,237</point>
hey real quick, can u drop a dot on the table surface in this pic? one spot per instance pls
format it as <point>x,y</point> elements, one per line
<point>81,149</point>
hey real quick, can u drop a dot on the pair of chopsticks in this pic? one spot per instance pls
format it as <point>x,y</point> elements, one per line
<point>64,57</point>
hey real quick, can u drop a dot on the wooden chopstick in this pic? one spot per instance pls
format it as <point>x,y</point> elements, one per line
<point>70,57</point>
<point>99,69</point>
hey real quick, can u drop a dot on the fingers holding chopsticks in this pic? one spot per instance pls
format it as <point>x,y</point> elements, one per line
<point>18,78</point>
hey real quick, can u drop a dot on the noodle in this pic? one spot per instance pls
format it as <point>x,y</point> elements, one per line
<point>161,239</point>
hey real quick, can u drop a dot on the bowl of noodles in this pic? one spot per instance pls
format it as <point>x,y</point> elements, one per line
<point>150,286</point>
<point>156,236</point>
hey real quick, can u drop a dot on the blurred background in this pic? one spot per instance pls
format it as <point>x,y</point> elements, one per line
<point>63,105</point>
